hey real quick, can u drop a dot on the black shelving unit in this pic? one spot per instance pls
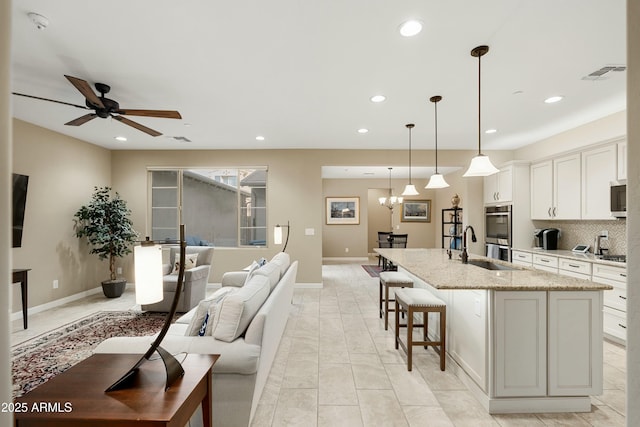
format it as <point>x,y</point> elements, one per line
<point>452,228</point>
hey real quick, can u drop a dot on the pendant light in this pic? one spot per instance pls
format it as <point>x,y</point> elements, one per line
<point>410,189</point>
<point>436,180</point>
<point>480,164</point>
<point>392,200</point>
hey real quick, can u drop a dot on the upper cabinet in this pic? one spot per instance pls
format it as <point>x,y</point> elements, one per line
<point>598,170</point>
<point>498,188</point>
<point>555,188</point>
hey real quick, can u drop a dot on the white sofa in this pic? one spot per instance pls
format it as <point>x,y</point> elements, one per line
<point>241,372</point>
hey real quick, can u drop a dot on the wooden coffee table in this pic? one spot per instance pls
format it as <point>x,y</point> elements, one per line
<point>77,397</point>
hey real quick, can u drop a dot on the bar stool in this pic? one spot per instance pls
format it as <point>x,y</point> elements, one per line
<point>391,279</point>
<point>412,301</point>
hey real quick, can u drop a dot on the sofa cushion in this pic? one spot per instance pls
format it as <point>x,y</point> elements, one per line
<point>283,260</point>
<point>202,320</point>
<point>272,272</point>
<point>237,309</point>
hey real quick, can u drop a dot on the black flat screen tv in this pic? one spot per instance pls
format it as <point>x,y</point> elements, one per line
<point>20,183</point>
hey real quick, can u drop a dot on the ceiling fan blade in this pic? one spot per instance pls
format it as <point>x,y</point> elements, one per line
<point>82,120</point>
<point>52,100</point>
<point>137,126</point>
<point>165,114</point>
<point>85,90</point>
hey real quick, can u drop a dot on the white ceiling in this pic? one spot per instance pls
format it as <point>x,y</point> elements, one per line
<point>300,73</point>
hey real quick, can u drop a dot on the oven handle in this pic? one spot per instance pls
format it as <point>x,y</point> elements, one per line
<point>498,214</point>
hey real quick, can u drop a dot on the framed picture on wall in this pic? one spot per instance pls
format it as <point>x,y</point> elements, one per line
<point>416,211</point>
<point>343,210</point>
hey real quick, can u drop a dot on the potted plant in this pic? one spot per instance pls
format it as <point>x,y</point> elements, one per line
<point>106,225</point>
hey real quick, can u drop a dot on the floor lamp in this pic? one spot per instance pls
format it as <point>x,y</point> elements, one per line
<point>148,276</point>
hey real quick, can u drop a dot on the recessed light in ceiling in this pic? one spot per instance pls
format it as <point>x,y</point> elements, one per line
<point>553,99</point>
<point>363,130</point>
<point>491,131</point>
<point>259,138</point>
<point>121,138</point>
<point>187,124</point>
<point>410,28</point>
<point>378,98</point>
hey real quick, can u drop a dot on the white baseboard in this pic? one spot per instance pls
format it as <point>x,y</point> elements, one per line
<point>56,303</point>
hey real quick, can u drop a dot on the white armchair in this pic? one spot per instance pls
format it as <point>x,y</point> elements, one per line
<point>195,281</point>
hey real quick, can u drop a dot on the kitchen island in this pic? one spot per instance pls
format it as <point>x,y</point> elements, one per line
<point>522,340</point>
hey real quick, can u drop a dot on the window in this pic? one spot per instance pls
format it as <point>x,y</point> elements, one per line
<point>224,207</point>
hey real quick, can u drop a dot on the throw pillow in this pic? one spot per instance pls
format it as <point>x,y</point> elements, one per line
<point>190,261</point>
<point>205,312</point>
<point>237,310</point>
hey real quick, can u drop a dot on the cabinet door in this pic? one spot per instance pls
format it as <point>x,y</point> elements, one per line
<point>566,187</point>
<point>490,189</point>
<point>575,343</point>
<point>541,190</point>
<point>521,343</point>
<point>598,170</point>
<point>504,180</point>
<point>622,160</point>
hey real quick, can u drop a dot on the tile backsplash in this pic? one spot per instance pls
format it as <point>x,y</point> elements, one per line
<point>584,232</point>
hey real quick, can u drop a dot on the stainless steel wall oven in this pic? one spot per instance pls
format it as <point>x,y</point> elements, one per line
<point>497,228</point>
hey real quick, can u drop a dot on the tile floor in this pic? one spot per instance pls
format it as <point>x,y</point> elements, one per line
<point>337,366</point>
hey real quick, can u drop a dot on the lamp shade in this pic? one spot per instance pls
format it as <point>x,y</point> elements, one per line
<point>481,166</point>
<point>277,235</point>
<point>410,190</point>
<point>437,181</point>
<point>148,273</point>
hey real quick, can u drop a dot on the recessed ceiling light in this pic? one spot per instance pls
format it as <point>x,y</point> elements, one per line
<point>553,99</point>
<point>491,131</point>
<point>363,130</point>
<point>187,124</point>
<point>378,98</point>
<point>410,28</point>
<point>260,138</point>
<point>121,138</point>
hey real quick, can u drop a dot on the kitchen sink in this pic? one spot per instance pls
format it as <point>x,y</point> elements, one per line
<point>488,265</point>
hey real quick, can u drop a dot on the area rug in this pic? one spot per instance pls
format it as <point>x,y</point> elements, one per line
<point>373,270</point>
<point>39,359</point>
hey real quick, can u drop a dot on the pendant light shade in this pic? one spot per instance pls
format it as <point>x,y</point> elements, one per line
<point>410,189</point>
<point>480,165</point>
<point>436,180</point>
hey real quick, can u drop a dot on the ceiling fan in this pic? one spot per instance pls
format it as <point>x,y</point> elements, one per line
<point>104,107</point>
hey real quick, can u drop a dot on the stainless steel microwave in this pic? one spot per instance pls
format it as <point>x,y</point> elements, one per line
<point>619,199</point>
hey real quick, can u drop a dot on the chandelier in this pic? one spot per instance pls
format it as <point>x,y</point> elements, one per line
<point>391,201</point>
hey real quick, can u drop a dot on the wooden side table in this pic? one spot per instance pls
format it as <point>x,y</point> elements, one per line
<point>19,275</point>
<point>77,397</point>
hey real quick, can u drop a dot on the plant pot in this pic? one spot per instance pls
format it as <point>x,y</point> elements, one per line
<point>113,288</point>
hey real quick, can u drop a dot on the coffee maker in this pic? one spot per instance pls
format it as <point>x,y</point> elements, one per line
<point>546,238</point>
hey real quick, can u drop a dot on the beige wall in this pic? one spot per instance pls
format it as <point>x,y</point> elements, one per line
<point>62,173</point>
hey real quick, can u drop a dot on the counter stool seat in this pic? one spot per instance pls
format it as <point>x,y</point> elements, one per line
<point>416,300</point>
<point>391,279</point>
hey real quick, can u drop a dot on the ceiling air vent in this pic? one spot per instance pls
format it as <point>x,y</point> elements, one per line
<point>600,74</point>
<point>180,138</point>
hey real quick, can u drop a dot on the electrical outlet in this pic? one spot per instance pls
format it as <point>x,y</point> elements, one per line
<point>346,250</point>
<point>55,284</point>
<point>119,270</point>
<point>604,234</point>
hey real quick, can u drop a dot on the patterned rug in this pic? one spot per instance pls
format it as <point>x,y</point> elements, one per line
<point>373,270</point>
<point>39,359</point>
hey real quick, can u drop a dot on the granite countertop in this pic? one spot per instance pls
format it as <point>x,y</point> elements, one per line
<point>563,253</point>
<point>434,267</point>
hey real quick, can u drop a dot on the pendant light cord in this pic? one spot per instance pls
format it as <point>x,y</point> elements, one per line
<point>436,127</point>
<point>410,126</point>
<point>479,106</point>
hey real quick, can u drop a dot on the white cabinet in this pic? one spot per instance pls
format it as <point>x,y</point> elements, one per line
<point>545,263</point>
<point>622,160</point>
<point>555,188</point>
<point>598,170</point>
<point>521,343</point>
<point>498,187</point>
<point>524,259</point>
<point>615,300</point>
<point>575,343</point>
<point>574,268</point>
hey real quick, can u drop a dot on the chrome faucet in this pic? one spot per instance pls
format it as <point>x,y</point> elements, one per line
<point>464,255</point>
